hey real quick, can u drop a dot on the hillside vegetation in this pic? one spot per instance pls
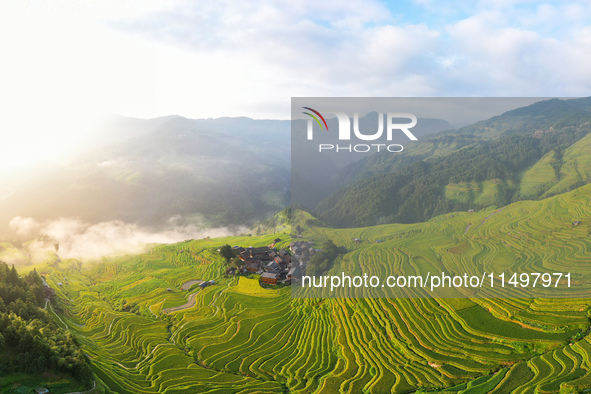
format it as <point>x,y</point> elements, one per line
<point>529,153</point>
<point>30,341</point>
<point>238,337</point>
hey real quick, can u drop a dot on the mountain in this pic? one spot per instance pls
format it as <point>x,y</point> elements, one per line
<point>213,171</point>
<point>530,152</point>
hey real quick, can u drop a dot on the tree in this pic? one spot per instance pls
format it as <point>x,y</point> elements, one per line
<point>287,212</point>
<point>227,252</point>
<point>13,276</point>
<point>324,260</point>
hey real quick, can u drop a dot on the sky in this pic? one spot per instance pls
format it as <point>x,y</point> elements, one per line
<point>66,64</point>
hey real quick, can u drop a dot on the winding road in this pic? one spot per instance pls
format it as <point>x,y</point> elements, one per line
<point>190,303</point>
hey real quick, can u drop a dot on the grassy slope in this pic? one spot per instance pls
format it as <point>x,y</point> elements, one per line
<point>551,176</point>
<point>481,193</point>
<point>540,177</point>
<point>240,338</point>
<point>576,168</point>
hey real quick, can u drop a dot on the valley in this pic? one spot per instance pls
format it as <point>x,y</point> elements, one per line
<point>508,196</point>
<point>239,337</point>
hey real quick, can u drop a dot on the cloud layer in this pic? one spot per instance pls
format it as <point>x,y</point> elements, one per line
<point>361,48</point>
<point>92,241</point>
<point>229,57</point>
<point>65,63</point>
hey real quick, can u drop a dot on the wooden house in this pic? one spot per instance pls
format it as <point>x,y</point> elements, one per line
<point>252,266</point>
<point>270,278</point>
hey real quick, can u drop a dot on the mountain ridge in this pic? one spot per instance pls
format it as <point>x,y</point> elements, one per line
<point>229,171</point>
<point>396,188</point>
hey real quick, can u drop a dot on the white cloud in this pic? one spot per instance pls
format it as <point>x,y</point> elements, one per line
<point>228,57</point>
<point>505,60</point>
<point>360,49</point>
<point>265,54</point>
<point>24,226</point>
<point>85,241</point>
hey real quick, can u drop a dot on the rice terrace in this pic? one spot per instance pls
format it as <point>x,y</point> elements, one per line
<point>237,337</point>
<point>102,297</point>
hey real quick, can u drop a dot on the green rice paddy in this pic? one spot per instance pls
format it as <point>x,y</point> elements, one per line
<point>240,338</point>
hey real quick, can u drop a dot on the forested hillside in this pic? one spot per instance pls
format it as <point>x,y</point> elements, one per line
<point>30,341</point>
<point>532,152</point>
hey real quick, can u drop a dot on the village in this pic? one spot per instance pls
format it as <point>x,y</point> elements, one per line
<point>275,266</point>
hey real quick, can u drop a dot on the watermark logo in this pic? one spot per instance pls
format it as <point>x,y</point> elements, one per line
<point>315,118</point>
<point>344,130</point>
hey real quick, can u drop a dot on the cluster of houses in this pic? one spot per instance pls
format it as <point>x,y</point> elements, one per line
<point>273,266</point>
<point>303,251</point>
<point>277,266</point>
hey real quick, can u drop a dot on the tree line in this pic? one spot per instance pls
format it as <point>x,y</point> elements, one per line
<point>324,259</point>
<point>30,341</point>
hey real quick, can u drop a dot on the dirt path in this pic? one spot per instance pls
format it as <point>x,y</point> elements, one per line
<point>488,217</point>
<point>190,303</point>
<point>483,221</point>
<point>56,315</point>
<point>187,285</point>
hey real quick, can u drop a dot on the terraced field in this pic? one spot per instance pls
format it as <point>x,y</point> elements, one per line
<point>482,193</point>
<point>241,338</point>
<point>551,176</point>
<point>540,177</point>
<point>575,169</point>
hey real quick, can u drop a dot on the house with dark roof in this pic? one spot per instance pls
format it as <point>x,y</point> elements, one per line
<point>272,267</point>
<point>294,272</point>
<point>278,263</point>
<point>252,266</point>
<point>270,278</point>
<point>261,253</point>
